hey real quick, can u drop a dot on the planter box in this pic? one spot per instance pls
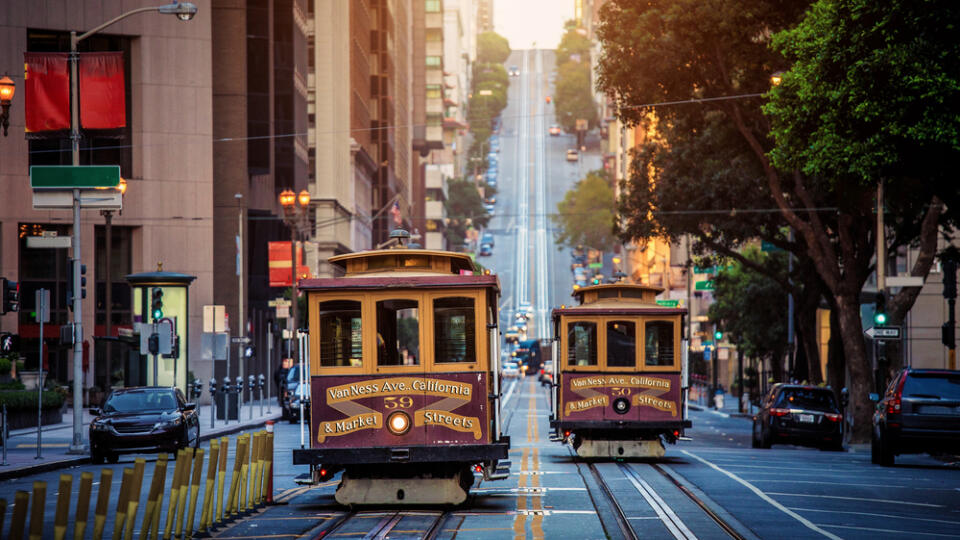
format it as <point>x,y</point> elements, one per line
<point>26,419</point>
<point>30,378</point>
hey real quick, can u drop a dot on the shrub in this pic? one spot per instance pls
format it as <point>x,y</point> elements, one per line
<point>5,365</point>
<point>20,400</point>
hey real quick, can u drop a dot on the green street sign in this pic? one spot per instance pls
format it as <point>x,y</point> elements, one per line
<point>668,303</point>
<point>595,265</point>
<point>707,285</point>
<point>69,177</point>
<point>704,269</point>
<point>768,247</point>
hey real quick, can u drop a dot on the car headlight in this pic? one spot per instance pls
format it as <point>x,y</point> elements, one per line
<point>172,422</point>
<point>100,426</point>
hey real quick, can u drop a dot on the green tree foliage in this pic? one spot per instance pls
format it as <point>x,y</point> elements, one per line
<point>574,94</point>
<point>751,308</point>
<point>573,43</point>
<point>464,209</point>
<point>681,50</point>
<point>487,72</point>
<point>585,216</point>
<point>492,48</point>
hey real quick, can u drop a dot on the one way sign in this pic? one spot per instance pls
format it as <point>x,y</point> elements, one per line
<point>883,332</point>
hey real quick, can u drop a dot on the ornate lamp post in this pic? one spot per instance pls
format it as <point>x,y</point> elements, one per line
<point>7,89</point>
<point>295,209</point>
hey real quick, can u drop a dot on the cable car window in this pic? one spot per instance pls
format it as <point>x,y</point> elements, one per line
<point>658,349</point>
<point>621,344</point>
<point>341,340</point>
<point>582,344</point>
<point>398,333</point>
<point>454,326</point>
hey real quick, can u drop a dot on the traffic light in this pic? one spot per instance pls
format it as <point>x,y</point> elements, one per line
<point>948,335</point>
<point>949,279</point>
<point>156,303</point>
<point>11,296</point>
<point>596,281</point>
<point>83,282</point>
<point>718,334</point>
<point>153,343</point>
<point>880,310</point>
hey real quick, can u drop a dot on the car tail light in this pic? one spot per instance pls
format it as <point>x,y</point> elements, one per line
<point>779,412</point>
<point>541,372</point>
<point>834,417</point>
<point>893,406</point>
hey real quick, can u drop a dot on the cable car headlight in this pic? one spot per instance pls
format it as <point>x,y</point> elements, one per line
<point>398,423</point>
<point>621,405</point>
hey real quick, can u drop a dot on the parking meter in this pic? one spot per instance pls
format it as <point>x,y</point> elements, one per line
<point>213,401</point>
<point>261,383</point>
<point>197,387</point>
<point>213,386</point>
<point>226,385</point>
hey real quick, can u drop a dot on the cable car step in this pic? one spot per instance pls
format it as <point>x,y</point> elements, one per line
<point>305,479</point>
<point>501,472</point>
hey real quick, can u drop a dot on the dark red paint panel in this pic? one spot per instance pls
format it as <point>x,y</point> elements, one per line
<point>653,397</point>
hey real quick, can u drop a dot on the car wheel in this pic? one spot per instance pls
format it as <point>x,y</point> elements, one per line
<point>97,458</point>
<point>874,448</point>
<point>886,451</point>
<point>766,439</point>
<point>754,440</point>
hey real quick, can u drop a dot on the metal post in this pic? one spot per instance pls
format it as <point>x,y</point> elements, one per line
<point>156,381</point>
<point>213,402</point>
<point>108,291</point>
<point>250,383</point>
<point>78,446</point>
<point>241,322</point>
<point>3,433</point>
<point>260,385</point>
<point>740,370</point>
<point>40,311</point>
<point>239,389</point>
<point>269,363</point>
<point>791,352</point>
<point>301,394</point>
<point>293,289</point>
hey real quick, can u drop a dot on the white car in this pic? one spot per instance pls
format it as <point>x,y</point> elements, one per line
<point>510,370</point>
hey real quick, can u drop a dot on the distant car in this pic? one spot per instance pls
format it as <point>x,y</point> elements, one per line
<point>555,130</point>
<point>919,412</point>
<point>514,71</point>
<point>302,391</point>
<point>490,200</point>
<point>143,419</point>
<point>573,155</point>
<point>798,414</point>
<point>510,370</point>
<point>546,372</point>
<point>290,383</point>
<point>489,208</point>
<point>486,250</point>
<point>487,238</point>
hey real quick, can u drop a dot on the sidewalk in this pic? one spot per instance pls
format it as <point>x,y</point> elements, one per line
<point>56,439</point>
<point>728,409</point>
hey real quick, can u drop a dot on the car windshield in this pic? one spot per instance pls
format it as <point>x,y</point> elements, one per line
<point>146,400</point>
<point>293,374</point>
<point>932,385</point>
<point>810,399</point>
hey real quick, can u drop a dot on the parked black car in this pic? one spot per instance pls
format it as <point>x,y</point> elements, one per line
<point>291,380</point>
<point>139,419</point>
<point>798,414</point>
<point>919,412</point>
<point>293,403</point>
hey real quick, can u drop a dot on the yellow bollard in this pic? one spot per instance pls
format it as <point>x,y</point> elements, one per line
<point>121,516</point>
<point>258,469</point>
<point>230,509</point>
<point>103,501</point>
<point>244,473</point>
<point>252,466</point>
<point>207,509</point>
<point>21,500</point>
<point>174,492</point>
<point>260,461</point>
<point>36,514</point>
<point>194,490</point>
<point>63,507</point>
<point>159,471</point>
<point>184,487</point>
<point>133,497</point>
<point>221,478</point>
<point>83,506</point>
<point>157,508</point>
<point>268,465</point>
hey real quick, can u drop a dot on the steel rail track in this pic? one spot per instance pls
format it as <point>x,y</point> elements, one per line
<point>383,524</point>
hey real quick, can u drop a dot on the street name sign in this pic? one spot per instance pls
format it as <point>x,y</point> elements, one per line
<point>240,339</point>
<point>50,242</point>
<point>279,302</point>
<point>668,303</point>
<point>595,265</point>
<point>883,332</point>
<point>707,285</point>
<point>74,177</point>
<point>904,281</point>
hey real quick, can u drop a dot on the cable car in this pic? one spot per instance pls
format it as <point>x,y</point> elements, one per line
<point>620,370</point>
<point>404,365</point>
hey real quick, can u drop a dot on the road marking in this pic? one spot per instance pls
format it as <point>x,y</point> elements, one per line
<point>44,445</point>
<point>888,501</point>
<point>901,534</point>
<point>827,483</point>
<point>891,516</point>
<point>807,523</point>
<point>666,515</point>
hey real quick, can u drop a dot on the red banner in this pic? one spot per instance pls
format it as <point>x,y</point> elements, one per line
<point>278,261</point>
<point>103,103</point>
<point>47,86</point>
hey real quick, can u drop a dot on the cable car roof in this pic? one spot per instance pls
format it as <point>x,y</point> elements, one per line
<point>618,298</point>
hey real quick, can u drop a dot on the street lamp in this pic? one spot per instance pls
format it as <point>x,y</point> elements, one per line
<point>7,89</point>
<point>184,11</point>
<point>295,206</point>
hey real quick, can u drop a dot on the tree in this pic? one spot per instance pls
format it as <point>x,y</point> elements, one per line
<point>573,42</point>
<point>464,209</point>
<point>675,51</point>
<point>585,216</point>
<point>751,308</point>
<point>492,48</point>
<point>574,96</point>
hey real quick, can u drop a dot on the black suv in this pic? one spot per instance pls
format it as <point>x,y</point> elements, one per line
<point>919,412</point>
<point>799,414</point>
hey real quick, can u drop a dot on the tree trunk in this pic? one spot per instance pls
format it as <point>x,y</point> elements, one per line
<point>860,382</point>
<point>836,363</point>
<point>806,319</point>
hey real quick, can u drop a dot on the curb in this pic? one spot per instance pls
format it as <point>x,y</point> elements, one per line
<point>85,459</point>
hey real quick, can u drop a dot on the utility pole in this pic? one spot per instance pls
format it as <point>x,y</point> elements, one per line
<point>950,293</point>
<point>240,320</point>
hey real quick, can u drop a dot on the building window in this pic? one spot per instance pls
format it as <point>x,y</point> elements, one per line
<point>341,334</point>
<point>582,344</point>
<point>454,330</point>
<point>658,349</point>
<point>434,61</point>
<point>434,91</point>
<point>432,6</point>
